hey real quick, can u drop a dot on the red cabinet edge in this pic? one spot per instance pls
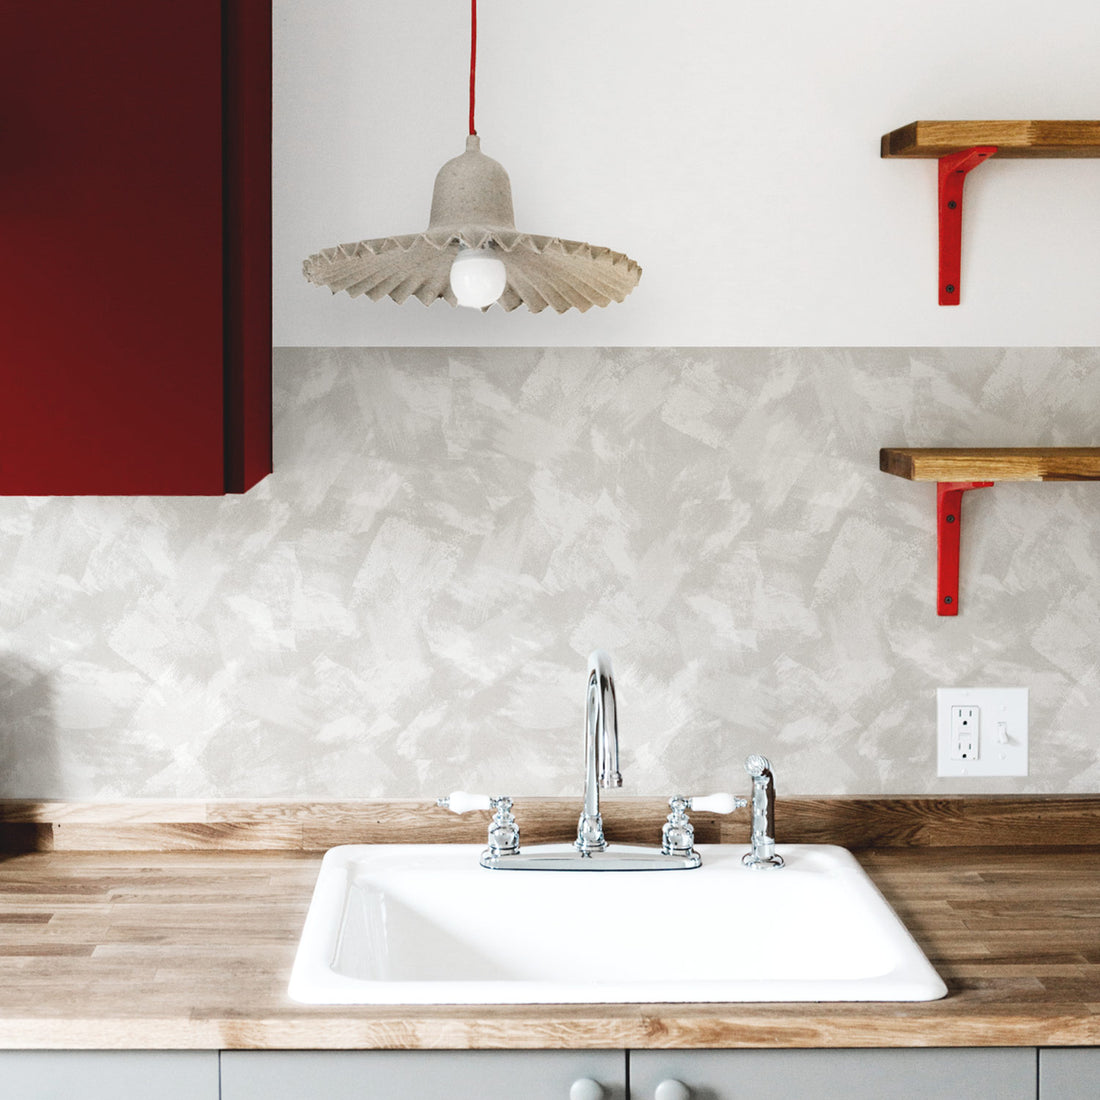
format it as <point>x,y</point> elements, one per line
<point>246,136</point>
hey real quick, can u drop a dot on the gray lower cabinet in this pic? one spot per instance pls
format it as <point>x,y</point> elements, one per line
<point>1069,1073</point>
<point>421,1075</point>
<point>1003,1073</point>
<point>109,1074</point>
<point>1006,1073</point>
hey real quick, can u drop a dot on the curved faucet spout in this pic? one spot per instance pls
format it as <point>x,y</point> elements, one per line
<point>601,749</point>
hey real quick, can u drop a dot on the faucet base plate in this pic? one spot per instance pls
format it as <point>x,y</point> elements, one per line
<point>566,857</point>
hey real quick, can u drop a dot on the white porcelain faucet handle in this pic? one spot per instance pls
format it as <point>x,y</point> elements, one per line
<point>717,803</point>
<point>461,802</point>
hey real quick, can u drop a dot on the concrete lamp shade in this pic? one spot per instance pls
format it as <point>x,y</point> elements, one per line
<point>472,207</point>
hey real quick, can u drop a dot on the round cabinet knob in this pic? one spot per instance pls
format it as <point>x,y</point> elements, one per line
<point>584,1088</point>
<point>672,1090</point>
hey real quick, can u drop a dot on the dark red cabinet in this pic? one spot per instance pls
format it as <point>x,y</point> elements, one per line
<point>135,255</point>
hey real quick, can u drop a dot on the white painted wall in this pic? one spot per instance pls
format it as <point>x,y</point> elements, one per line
<point>730,147</point>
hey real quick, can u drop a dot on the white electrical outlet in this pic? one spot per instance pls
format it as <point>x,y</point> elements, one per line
<point>966,728</point>
<point>981,731</point>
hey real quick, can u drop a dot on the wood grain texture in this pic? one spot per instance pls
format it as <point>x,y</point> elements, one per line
<point>1064,138</point>
<point>854,822</point>
<point>991,463</point>
<point>948,822</point>
<point>180,950</point>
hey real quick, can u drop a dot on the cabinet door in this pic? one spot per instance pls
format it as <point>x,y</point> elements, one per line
<point>126,177</point>
<point>109,1074</point>
<point>1069,1073</point>
<point>970,1074</point>
<point>418,1074</point>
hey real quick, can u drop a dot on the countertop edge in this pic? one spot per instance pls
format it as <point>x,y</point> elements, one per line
<point>658,1028</point>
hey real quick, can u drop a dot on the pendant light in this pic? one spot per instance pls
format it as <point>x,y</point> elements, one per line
<point>471,254</point>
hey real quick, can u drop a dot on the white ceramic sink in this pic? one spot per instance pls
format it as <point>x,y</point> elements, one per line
<point>424,924</point>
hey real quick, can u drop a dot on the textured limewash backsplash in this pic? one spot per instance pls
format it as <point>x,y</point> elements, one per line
<point>406,605</point>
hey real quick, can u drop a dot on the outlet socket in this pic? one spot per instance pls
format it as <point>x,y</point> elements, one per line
<point>966,730</point>
<point>981,731</point>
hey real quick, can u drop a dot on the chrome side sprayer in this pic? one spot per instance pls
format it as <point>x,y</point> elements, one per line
<point>762,837</point>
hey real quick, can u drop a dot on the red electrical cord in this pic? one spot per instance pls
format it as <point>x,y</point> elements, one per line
<point>473,59</point>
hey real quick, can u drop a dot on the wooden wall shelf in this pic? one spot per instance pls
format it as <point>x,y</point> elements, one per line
<point>992,463</point>
<point>1075,138</point>
<point>962,146</point>
<point>957,470</point>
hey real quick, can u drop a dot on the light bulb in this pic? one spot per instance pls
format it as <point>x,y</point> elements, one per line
<point>477,277</point>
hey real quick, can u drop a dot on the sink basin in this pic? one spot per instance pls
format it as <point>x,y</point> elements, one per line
<point>424,924</point>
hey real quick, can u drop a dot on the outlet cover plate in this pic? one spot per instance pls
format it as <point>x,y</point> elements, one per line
<point>1002,734</point>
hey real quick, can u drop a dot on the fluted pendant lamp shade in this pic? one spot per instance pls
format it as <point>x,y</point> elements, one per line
<point>472,207</point>
<point>472,215</point>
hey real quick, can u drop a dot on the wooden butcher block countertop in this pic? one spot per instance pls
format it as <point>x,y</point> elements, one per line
<point>174,926</point>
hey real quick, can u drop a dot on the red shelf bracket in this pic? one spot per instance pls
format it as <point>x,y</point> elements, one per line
<point>948,528</point>
<point>952,175</point>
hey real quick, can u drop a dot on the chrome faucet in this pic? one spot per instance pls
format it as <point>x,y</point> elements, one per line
<point>601,750</point>
<point>591,851</point>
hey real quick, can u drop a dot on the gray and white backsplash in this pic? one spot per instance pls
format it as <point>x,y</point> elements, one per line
<point>406,605</point>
